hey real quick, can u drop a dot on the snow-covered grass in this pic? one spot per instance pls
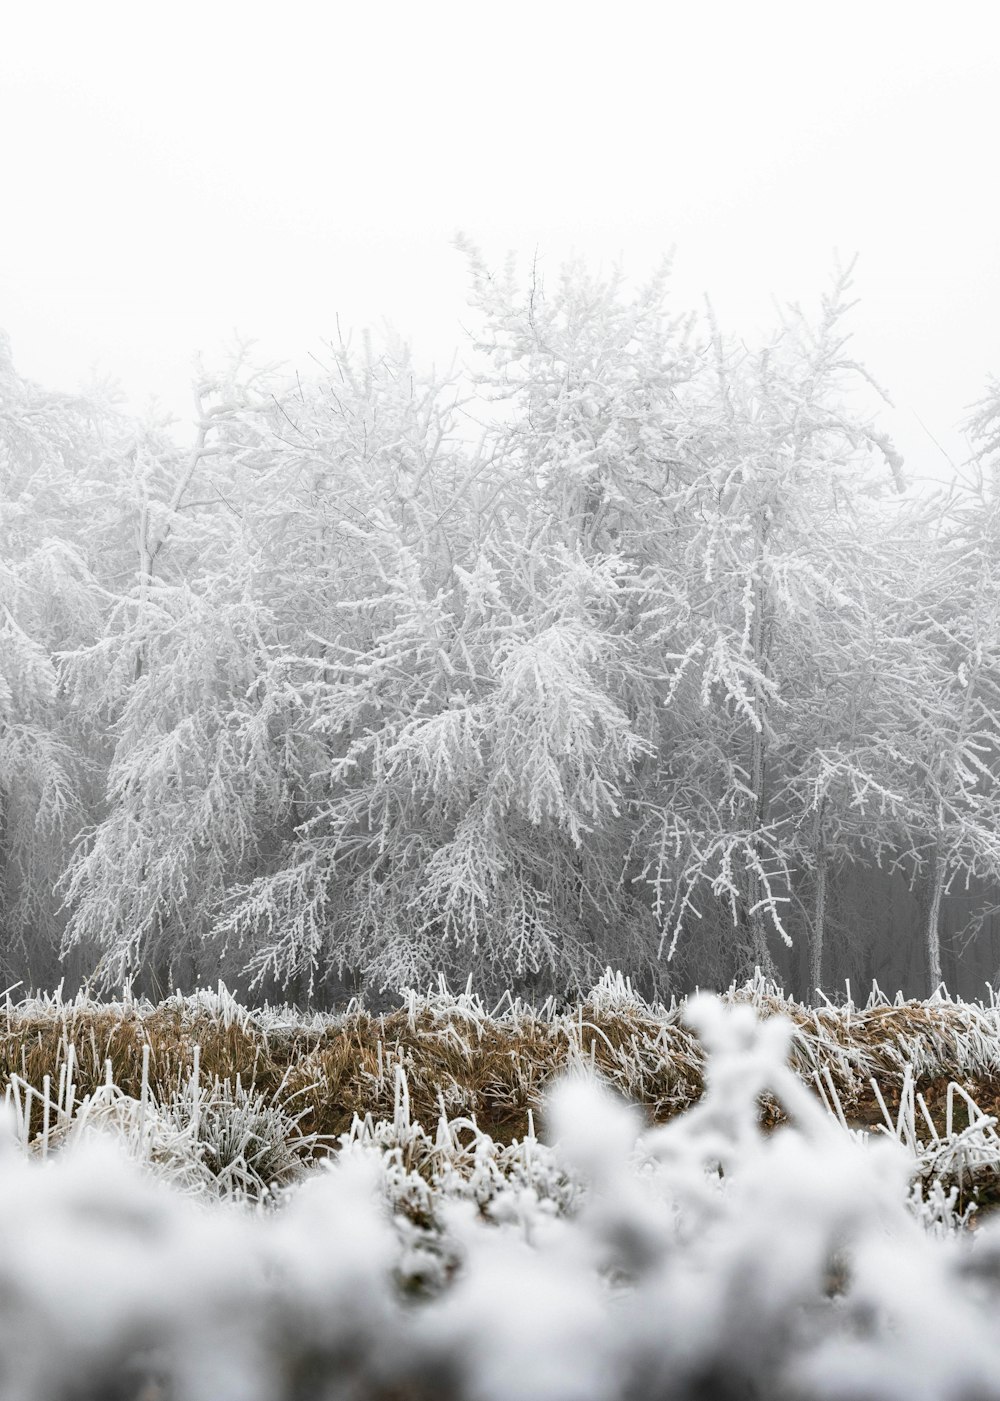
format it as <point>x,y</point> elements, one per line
<point>188,1246</point>
<point>491,1065</point>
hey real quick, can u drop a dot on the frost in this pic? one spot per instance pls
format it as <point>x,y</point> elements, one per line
<point>705,1257</point>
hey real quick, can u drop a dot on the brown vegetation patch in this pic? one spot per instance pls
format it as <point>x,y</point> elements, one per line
<point>449,1057</point>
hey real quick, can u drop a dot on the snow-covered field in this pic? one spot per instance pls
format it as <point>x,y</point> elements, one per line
<point>709,1256</point>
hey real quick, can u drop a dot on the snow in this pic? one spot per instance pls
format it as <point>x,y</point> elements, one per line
<point>704,1255</point>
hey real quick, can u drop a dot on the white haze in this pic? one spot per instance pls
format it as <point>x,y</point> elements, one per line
<point>169,175</point>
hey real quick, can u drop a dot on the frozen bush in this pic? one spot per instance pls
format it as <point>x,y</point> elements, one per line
<point>706,1258</point>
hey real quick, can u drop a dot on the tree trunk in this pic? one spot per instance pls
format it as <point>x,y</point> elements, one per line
<point>819,923</point>
<point>758,763</point>
<point>933,931</point>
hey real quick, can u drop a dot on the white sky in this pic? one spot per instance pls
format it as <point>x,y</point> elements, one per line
<point>169,174</point>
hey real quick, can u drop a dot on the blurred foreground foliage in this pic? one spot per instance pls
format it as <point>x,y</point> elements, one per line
<point>755,1244</point>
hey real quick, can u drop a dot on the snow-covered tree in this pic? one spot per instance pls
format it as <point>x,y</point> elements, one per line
<point>951,719</point>
<point>752,569</point>
<point>61,463</point>
<point>619,649</point>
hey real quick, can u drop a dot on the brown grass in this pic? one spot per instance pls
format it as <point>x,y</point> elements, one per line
<point>462,1062</point>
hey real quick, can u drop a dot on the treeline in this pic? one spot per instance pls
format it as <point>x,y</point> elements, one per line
<point>623,647</point>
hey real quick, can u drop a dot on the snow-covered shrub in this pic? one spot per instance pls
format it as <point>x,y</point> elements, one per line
<point>705,1257</point>
<point>249,1144</point>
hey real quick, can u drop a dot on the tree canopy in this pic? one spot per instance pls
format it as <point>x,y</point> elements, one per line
<point>621,647</point>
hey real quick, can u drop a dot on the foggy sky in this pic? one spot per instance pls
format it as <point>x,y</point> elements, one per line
<point>169,177</point>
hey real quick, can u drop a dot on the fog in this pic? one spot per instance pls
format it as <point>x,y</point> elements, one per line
<point>171,177</point>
